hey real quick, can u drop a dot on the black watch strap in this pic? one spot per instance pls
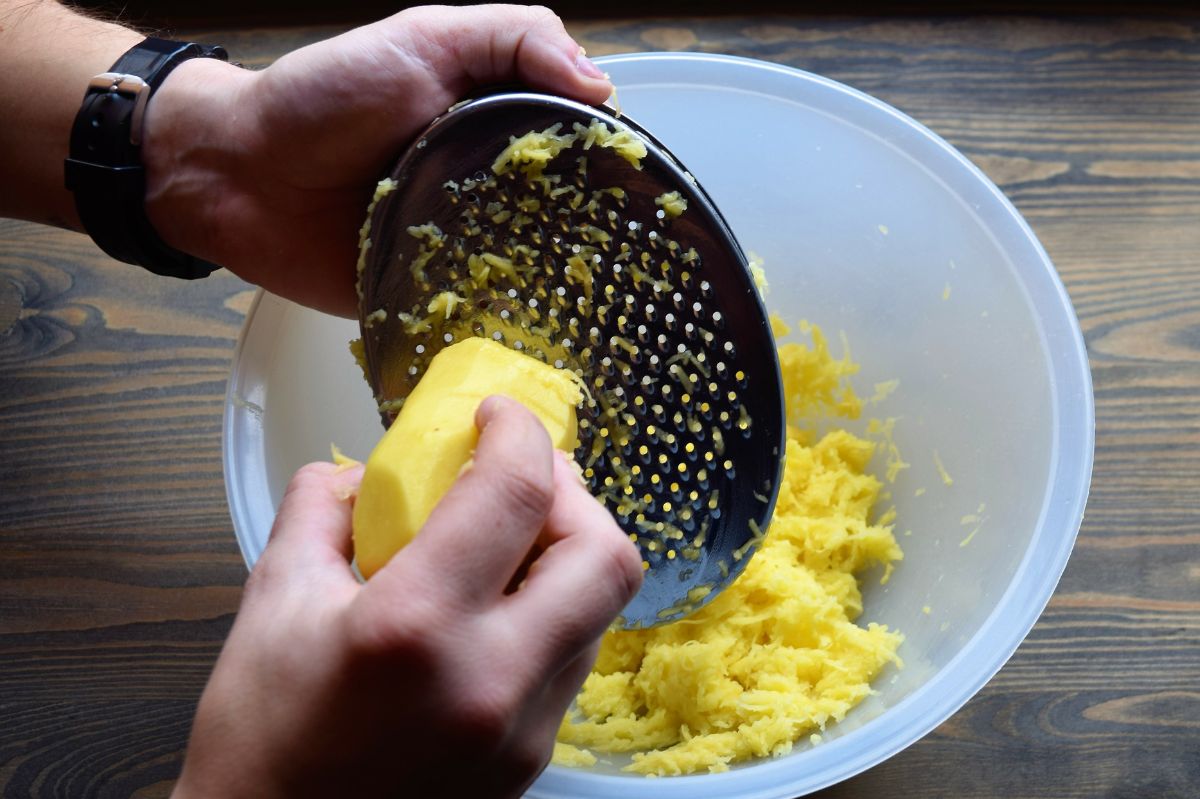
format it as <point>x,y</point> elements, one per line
<point>105,169</point>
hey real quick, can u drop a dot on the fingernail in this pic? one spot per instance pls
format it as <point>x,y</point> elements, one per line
<point>585,66</point>
<point>485,411</point>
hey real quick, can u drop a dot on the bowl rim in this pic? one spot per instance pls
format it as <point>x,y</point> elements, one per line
<point>242,421</point>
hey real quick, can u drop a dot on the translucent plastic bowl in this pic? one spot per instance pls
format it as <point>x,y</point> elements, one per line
<point>870,225</point>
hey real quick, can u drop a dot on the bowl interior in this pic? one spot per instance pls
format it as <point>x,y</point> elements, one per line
<point>870,226</point>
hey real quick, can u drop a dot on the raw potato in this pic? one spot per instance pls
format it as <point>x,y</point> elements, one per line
<point>434,437</point>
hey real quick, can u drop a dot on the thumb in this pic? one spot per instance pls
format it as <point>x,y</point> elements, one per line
<point>313,526</point>
<point>481,45</point>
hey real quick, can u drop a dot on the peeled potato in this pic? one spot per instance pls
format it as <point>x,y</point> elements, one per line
<point>433,438</point>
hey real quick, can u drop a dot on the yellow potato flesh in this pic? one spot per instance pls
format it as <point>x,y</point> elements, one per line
<point>434,437</point>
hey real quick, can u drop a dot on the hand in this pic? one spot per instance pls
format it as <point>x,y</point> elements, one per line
<point>269,173</point>
<point>437,677</point>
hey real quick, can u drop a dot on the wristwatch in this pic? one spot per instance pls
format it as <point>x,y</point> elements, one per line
<point>104,169</point>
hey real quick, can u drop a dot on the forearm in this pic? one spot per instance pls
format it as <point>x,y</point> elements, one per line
<point>47,55</point>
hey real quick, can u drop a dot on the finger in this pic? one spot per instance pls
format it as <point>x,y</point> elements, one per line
<point>312,527</point>
<point>586,576</point>
<point>490,44</point>
<point>478,535</point>
<point>548,535</point>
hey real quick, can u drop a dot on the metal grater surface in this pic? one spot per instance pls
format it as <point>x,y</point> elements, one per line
<point>580,255</point>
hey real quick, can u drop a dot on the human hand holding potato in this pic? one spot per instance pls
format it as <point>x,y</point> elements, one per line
<point>437,677</point>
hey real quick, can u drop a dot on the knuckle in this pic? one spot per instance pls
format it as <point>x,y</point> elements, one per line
<point>403,640</point>
<point>525,491</point>
<point>544,21</point>
<point>485,718</point>
<point>620,564</point>
<point>543,14</point>
<point>527,759</point>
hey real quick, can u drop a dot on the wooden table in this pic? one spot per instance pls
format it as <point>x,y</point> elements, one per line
<point>119,574</point>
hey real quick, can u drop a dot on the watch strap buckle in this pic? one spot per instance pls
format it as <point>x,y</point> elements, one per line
<point>132,86</point>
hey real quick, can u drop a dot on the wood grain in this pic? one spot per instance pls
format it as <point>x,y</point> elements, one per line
<point>118,570</point>
<point>118,580</point>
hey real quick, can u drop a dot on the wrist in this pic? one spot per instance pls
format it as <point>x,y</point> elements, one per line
<point>192,150</point>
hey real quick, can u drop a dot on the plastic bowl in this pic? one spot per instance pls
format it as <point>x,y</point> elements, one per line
<point>868,224</point>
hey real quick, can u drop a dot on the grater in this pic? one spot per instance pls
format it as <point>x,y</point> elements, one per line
<point>571,234</point>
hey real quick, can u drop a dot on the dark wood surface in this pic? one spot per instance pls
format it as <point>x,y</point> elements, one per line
<point>119,574</point>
